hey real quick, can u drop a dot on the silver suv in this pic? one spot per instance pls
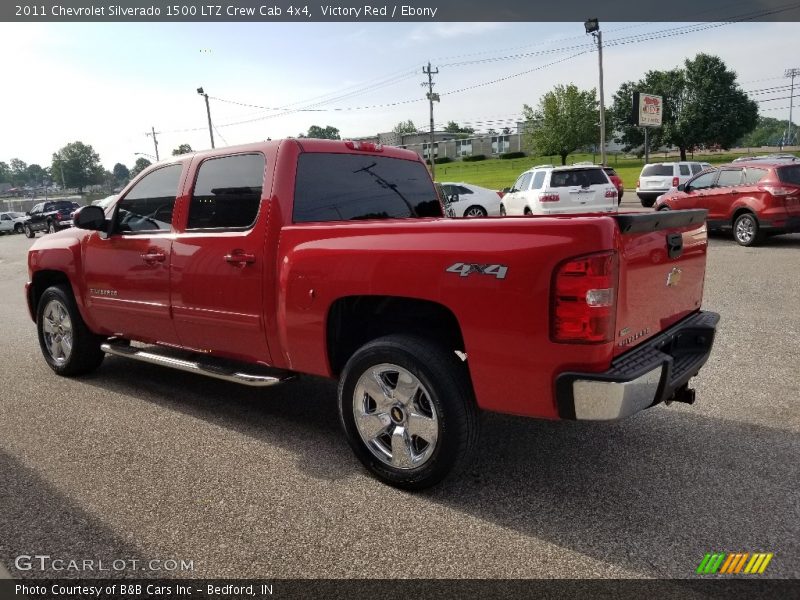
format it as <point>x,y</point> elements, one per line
<point>659,178</point>
<point>545,190</point>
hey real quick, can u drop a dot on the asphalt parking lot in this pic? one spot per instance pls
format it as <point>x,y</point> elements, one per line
<point>136,462</point>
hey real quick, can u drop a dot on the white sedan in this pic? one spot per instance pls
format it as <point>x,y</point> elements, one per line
<point>467,200</point>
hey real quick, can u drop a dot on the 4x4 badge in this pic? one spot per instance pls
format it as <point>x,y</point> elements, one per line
<point>674,277</point>
<point>465,269</point>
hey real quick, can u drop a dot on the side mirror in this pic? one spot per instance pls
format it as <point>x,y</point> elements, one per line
<point>28,213</point>
<point>452,198</point>
<point>90,217</point>
<point>682,188</point>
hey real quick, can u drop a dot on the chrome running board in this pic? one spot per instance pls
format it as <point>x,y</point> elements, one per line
<point>210,367</point>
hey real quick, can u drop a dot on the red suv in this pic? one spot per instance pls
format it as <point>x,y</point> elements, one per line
<point>754,198</point>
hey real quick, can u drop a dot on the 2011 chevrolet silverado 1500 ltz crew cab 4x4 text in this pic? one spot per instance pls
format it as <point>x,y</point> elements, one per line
<point>331,258</point>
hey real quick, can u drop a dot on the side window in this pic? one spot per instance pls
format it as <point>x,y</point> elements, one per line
<point>752,176</point>
<point>227,192</point>
<point>538,180</point>
<point>36,209</point>
<point>729,177</point>
<point>462,190</point>
<point>696,168</point>
<point>148,206</point>
<point>518,182</point>
<point>684,169</point>
<point>704,181</point>
<point>526,181</point>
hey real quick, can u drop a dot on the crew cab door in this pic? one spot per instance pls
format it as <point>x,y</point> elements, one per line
<point>127,270</point>
<point>219,271</point>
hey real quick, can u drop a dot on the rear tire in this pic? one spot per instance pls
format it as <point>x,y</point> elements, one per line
<point>746,230</point>
<point>475,211</point>
<point>68,347</point>
<point>408,411</point>
<point>647,202</point>
<point>29,233</point>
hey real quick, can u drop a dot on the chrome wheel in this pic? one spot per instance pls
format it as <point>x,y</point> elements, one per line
<point>475,211</point>
<point>745,229</point>
<point>395,417</point>
<point>57,331</point>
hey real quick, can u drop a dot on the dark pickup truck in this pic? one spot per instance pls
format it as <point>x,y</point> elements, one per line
<point>50,216</point>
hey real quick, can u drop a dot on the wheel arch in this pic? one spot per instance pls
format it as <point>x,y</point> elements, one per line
<point>353,321</point>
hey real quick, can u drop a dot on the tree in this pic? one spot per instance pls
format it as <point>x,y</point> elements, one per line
<point>768,132</point>
<point>182,149</point>
<point>5,173</point>
<point>405,128</point>
<point>36,175</point>
<point>322,133</point>
<point>76,165</point>
<point>453,127</point>
<point>703,106</point>
<point>492,132</point>
<point>141,164</point>
<point>19,172</point>
<point>121,173</point>
<point>565,120</point>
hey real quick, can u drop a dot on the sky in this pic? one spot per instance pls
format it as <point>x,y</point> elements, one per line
<point>107,84</point>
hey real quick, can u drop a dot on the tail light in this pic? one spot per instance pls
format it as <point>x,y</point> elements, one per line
<point>58,216</point>
<point>611,193</point>
<point>584,299</point>
<point>545,197</point>
<point>365,146</point>
<point>778,190</point>
<point>675,182</point>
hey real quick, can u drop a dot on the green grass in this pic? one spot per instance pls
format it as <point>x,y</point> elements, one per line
<point>496,174</point>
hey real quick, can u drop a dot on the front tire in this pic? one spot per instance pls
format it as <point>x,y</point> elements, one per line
<point>407,409</point>
<point>746,230</point>
<point>29,233</point>
<point>68,347</point>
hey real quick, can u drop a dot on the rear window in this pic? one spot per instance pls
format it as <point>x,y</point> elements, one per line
<point>789,174</point>
<point>609,171</point>
<point>342,187</point>
<point>657,171</point>
<point>578,177</point>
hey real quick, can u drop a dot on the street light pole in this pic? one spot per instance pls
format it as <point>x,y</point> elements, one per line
<point>208,112</point>
<point>593,27</point>
<point>791,73</point>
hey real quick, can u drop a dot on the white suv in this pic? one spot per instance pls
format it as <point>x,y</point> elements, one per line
<point>545,190</point>
<point>659,178</point>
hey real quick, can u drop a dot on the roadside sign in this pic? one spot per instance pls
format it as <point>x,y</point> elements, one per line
<point>647,110</point>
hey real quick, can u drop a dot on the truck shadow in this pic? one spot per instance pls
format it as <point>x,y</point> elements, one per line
<point>37,519</point>
<point>651,494</point>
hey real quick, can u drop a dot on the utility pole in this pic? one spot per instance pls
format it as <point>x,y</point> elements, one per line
<point>593,27</point>
<point>208,112</point>
<point>791,73</point>
<point>155,140</point>
<point>431,99</point>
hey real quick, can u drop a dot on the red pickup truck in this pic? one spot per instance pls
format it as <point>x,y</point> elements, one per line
<point>258,262</point>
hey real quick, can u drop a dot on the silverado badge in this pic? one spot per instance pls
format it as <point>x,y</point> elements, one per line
<point>674,277</point>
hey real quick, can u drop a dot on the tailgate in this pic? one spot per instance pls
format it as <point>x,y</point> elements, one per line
<point>661,272</point>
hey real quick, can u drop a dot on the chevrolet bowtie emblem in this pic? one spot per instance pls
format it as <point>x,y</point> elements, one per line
<point>674,277</point>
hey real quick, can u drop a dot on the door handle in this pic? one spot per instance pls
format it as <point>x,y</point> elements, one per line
<point>240,258</point>
<point>153,255</point>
